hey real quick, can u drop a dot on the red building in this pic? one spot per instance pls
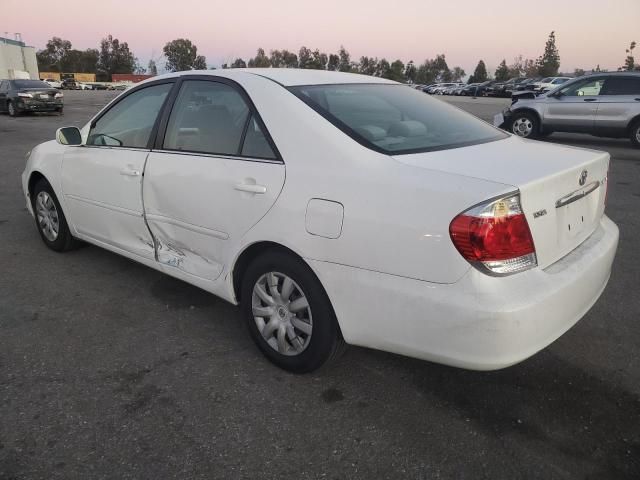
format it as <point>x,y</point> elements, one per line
<point>129,77</point>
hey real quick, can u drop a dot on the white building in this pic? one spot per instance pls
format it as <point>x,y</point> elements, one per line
<point>17,60</point>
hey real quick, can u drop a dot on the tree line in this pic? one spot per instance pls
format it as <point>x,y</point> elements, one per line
<point>114,56</point>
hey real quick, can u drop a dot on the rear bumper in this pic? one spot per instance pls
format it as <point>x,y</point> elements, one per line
<point>480,322</point>
<point>38,107</point>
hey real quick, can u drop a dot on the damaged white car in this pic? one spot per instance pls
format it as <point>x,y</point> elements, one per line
<point>337,208</point>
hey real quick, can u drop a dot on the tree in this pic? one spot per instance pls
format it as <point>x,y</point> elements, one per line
<point>480,73</point>
<point>368,66</point>
<point>139,69</point>
<point>629,62</point>
<point>549,63</point>
<point>183,55</point>
<point>238,63</point>
<point>152,68</point>
<point>393,71</point>
<point>578,72</point>
<point>52,56</point>
<point>312,59</point>
<point>334,62</point>
<point>457,74</point>
<point>115,57</point>
<point>260,60</point>
<point>502,72</point>
<point>410,72</point>
<point>344,62</point>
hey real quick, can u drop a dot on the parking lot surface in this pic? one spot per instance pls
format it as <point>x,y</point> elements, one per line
<point>109,369</point>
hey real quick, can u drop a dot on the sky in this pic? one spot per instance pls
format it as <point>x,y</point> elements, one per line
<point>588,32</point>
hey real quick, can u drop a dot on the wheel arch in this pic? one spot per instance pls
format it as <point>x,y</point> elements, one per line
<point>34,178</point>
<point>251,252</point>
<point>633,122</point>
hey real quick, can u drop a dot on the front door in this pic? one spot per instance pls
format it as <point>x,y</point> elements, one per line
<point>102,179</point>
<point>575,108</point>
<point>214,175</point>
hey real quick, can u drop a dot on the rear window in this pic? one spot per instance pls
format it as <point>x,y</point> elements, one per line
<point>30,84</point>
<point>393,119</point>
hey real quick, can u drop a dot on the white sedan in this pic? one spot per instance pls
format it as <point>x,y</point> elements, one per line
<point>335,208</point>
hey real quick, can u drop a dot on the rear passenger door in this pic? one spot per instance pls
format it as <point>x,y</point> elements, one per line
<point>619,103</point>
<point>214,173</point>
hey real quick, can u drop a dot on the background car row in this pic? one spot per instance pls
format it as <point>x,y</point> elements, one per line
<point>70,84</point>
<point>494,88</point>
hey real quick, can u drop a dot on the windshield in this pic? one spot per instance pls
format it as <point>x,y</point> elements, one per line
<point>395,120</point>
<point>30,84</point>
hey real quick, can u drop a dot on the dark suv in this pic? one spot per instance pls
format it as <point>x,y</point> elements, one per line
<point>19,96</point>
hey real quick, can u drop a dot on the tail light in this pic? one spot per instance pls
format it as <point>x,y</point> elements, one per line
<point>58,95</point>
<point>495,237</point>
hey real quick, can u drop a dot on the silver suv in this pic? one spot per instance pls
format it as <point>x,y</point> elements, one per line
<point>604,104</point>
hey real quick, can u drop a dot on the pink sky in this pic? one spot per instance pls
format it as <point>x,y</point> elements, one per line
<point>589,32</point>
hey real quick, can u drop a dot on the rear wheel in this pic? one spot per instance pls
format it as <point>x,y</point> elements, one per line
<point>50,220</point>
<point>525,125</point>
<point>288,313</point>
<point>634,134</point>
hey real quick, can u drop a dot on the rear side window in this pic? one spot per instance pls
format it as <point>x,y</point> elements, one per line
<point>588,87</point>
<point>208,117</point>
<point>394,119</point>
<point>621,86</point>
<point>130,121</point>
<point>30,84</point>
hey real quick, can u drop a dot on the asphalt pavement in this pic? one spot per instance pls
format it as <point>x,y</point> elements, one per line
<point>109,369</point>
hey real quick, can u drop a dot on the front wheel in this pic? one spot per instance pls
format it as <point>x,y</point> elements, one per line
<point>525,125</point>
<point>13,112</point>
<point>634,134</point>
<point>288,313</point>
<point>50,220</point>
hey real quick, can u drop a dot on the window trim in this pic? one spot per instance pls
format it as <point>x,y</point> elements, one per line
<point>120,98</point>
<point>253,112</point>
<point>347,130</point>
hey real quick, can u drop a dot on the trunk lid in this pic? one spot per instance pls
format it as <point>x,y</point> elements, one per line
<point>562,189</point>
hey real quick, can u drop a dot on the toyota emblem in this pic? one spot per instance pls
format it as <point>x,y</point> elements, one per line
<point>583,178</point>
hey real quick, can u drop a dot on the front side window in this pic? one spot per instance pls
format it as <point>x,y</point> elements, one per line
<point>621,86</point>
<point>395,120</point>
<point>584,87</point>
<point>208,117</point>
<point>559,81</point>
<point>130,121</point>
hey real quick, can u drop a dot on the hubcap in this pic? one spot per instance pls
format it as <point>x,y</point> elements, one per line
<point>282,313</point>
<point>48,220</point>
<point>638,134</point>
<point>11,109</point>
<point>522,127</point>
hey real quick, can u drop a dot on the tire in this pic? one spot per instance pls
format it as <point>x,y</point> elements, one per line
<point>525,125</point>
<point>634,134</point>
<point>60,111</point>
<point>311,322</point>
<point>12,110</point>
<point>45,204</point>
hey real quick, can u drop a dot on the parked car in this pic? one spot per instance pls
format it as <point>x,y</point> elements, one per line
<point>605,105</point>
<point>69,84</point>
<point>482,88</point>
<point>441,87</point>
<point>549,83</point>
<point>98,86</point>
<point>21,96</point>
<point>412,227</point>
<point>53,83</point>
<point>84,86</point>
<point>451,89</point>
<point>512,85</point>
<point>526,85</point>
<point>469,89</point>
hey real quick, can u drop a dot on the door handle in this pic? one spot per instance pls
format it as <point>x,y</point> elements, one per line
<point>590,99</point>
<point>130,172</point>
<point>251,188</point>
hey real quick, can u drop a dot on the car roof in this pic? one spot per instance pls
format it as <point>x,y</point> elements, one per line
<point>287,77</point>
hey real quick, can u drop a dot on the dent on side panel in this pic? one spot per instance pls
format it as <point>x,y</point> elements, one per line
<point>171,251</point>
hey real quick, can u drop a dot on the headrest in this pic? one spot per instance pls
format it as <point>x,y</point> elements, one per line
<point>371,132</point>
<point>407,128</point>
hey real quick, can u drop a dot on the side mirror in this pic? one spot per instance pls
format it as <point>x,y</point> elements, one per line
<point>69,136</point>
